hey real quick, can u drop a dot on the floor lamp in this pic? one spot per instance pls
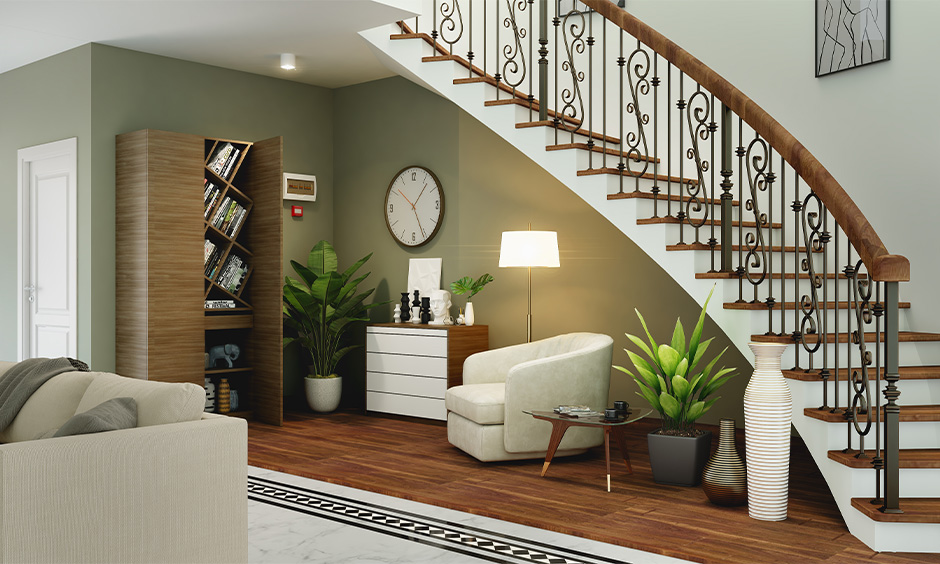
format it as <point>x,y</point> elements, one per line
<point>529,249</point>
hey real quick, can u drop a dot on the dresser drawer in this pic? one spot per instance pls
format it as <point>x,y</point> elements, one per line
<point>408,385</point>
<point>419,344</point>
<point>431,366</point>
<point>406,405</point>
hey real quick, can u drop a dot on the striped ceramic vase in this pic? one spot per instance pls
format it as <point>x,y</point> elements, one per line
<point>725,478</point>
<point>768,408</point>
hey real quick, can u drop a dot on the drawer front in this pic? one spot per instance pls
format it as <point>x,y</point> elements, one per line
<point>408,385</point>
<point>406,405</point>
<point>418,344</point>
<point>431,366</point>
<point>406,329</point>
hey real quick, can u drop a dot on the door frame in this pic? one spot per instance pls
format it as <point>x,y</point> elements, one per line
<point>24,158</point>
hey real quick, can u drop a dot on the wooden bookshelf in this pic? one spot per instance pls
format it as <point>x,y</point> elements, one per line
<point>163,325</point>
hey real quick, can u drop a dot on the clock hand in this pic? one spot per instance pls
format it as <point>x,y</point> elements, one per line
<point>406,198</point>
<point>423,234</point>
<point>419,195</point>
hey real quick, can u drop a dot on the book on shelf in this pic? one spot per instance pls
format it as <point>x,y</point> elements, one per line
<point>221,157</point>
<point>208,251</point>
<point>220,304</point>
<point>236,222</point>
<point>211,196</point>
<point>230,216</point>
<point>232,273</point>
<point>220,211</point>
<point>230,164</point>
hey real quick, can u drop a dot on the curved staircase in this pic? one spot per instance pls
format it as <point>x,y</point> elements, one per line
<point>667,151</point>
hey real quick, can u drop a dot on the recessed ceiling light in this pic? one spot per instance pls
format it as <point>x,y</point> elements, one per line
<point>288,61</point>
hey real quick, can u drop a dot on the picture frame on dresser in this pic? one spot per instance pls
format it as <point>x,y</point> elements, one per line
<point>409,367</point>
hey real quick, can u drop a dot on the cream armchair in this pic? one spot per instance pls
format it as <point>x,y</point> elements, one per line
<point>485,417</point>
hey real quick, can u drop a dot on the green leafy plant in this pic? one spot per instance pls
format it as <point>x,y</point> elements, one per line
<point>323,305</point>
<point>467,284</point>
<point>673,382</point>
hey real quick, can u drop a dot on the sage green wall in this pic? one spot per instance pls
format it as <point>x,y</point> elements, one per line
<point>43,102</point>
<point>133,90</point>
<point>490,187</point>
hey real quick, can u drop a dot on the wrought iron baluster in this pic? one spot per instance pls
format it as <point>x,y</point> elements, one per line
<point>638,68</point>
<point>485,21</point>
<point>783,250</point>
<point>655,82</point>
<point>434,25</point>
<point>668,140</point>
<point>848,328</point>
<point>573,100</point>
<point>712,240</point>
<point>740,152</point>
<point>514,72</point>
<point>878,461</point>
<point>680,105</point>
<point>797,207</point>
<point>621,165</point>
<point>892,409</point>
<point>756,161</point>
<point>590,71</point>
<point>543,61</point>
<point>809,303</point>
<point>847,272</point>
<point>470,54</point>
<point>697,191</point>
<point>604,93</point>
<point>531,97</point>
<point>769,300</point>
<point>497,77</point>
<point>727,139</point>
<point>556,22</point>
<point>861,399</point>
<point>824,239</point>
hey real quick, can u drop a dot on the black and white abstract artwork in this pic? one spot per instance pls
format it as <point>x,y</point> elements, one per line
<point>850,33</point>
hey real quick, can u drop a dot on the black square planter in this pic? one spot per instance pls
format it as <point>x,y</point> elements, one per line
<point>678,461</point>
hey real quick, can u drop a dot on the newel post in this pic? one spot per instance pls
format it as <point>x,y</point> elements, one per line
<point>892,433</point>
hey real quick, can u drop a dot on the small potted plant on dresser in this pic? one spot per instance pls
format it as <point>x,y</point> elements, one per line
<point>678,383</point>
<point>322,307</point>
<point>469,285</point>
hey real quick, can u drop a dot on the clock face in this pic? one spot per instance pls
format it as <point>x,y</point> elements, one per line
<point>414,206</point>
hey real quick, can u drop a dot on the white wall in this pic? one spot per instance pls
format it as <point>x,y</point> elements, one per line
<point>875,128</point>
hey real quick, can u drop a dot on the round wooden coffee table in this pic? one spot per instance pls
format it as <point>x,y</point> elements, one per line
<point>561,423</point>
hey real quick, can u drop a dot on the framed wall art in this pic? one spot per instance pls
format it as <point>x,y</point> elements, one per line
<point>300,187</point>
<point>850,34</point>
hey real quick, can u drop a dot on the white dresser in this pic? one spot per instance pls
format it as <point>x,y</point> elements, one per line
<point>409,367</point>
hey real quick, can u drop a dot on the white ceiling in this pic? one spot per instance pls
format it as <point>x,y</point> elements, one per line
<point>245,35</point>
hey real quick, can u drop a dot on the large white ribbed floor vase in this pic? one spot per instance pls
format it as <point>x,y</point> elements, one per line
<point>768,409</point>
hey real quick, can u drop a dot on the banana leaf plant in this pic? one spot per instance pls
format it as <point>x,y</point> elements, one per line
<point>323,306</point>
<point>676,381</point>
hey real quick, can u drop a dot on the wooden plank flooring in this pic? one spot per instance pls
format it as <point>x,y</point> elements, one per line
<point>412,459</point>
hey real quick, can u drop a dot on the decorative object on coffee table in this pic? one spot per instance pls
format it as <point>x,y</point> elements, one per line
<point>768,409</point>
<point>725,477</point>
<point>676,384</point>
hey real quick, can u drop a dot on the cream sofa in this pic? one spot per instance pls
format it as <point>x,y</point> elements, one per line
<point>485,417</point>
<point>173,489</point>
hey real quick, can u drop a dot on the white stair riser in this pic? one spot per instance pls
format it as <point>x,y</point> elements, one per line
<point>909,354</point>
<point>829,322</point>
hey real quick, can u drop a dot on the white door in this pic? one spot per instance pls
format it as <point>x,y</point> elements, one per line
<point>47,263</point>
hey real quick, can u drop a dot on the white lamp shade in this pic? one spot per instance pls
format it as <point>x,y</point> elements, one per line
<point>288,61</point>
<point>529,248</point>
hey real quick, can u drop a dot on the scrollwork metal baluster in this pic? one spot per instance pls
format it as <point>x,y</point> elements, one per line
<point>797,207</point>
<point>574,24</point>
<point>699,106</point>
<point>757,177</point>
<point>712,240</point>
<point>861,399</point>
<point>770,301</point>
<point>809,303</point>
<point>655,82</point>
<point>878,462</point>
<point>514,72</point>
<point>638,65</point>
<point>451,29</point>
<point>680,106</point>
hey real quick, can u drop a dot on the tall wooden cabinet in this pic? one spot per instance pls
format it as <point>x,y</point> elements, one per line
<point>163,232</point>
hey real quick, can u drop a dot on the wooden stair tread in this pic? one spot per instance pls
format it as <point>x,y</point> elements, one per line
<point>759,306</point>
<point>562,131</point>
<point>907,458</point>
<point>903,337</point>
<point>597,149</point>
<point>648,196</point>
<point>910,413</point>
<point>672,220</point>
<point>916,510</point>
<point>523,101</point>
<point>775,276</point>
<point>905,372</point>
<point>705,247</point>
<point>647,175</point>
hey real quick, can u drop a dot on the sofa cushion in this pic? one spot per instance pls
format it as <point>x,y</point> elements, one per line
<point>49,407</point>
<point>481,403</point>
<point>114,414</point>
<point>158,403</point>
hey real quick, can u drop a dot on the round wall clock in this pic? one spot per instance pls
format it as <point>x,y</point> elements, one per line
<point>414,206</point>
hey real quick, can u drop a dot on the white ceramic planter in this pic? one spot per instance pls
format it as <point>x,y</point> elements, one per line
<point>323,394</point>
<point>468,316</point>
<point>768,408</point>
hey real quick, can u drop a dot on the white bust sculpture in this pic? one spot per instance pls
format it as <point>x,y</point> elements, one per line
<point>440,307</point>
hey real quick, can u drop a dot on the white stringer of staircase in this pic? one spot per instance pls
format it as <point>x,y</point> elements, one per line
<point>405,58</point>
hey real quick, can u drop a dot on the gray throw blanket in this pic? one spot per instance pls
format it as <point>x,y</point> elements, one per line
<point>19,382</point>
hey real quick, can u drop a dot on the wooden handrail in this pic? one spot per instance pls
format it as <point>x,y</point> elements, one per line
<point>882,266</point>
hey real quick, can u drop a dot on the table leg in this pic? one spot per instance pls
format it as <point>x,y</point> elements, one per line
<point>558,431</point>
<point>607,453</point>
<point>621,437</point>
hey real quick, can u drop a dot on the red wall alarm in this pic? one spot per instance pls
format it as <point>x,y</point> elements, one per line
<point>296,211</point>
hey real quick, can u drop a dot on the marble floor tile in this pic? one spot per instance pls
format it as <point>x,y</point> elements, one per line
<point>295,519</point>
